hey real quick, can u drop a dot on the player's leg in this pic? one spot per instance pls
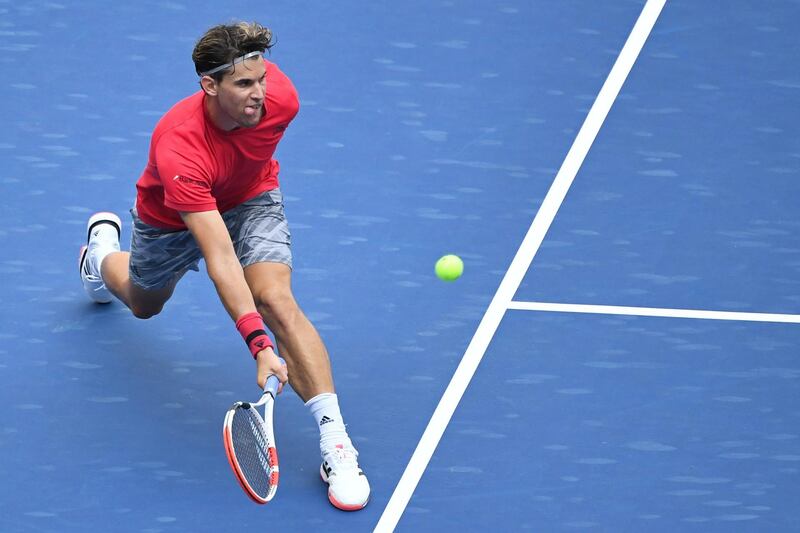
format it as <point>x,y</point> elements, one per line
<point>143,303</point>
<point>144,278</point>
<point>298,340</point>
<point>310,376</point>
<point>262,241</point>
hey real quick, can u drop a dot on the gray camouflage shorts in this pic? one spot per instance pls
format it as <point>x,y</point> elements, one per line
<point>258,229</point>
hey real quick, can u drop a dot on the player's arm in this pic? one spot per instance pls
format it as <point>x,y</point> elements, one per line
<point>225,271</point>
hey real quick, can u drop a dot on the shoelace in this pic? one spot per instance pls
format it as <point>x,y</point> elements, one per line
<point>342,457</point>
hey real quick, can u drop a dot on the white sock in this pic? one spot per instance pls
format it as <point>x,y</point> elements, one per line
<point>325,408</point>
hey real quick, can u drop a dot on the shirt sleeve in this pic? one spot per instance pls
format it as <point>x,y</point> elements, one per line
<point>187,186</point>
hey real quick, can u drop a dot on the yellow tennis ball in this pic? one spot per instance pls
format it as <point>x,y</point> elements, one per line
<point>449,267</point>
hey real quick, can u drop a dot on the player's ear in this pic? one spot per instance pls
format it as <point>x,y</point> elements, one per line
<point>209,85</point>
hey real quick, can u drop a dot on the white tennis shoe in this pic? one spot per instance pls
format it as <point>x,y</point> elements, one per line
<point>102,238</point>
<point>348,488</point>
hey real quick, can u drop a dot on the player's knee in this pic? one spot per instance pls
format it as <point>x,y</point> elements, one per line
<point>278,308</point>
<point>145,311</point>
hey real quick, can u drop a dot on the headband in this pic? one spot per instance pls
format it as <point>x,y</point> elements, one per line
<point>232,63</point>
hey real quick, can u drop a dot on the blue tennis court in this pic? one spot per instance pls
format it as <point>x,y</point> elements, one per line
<point>635,369</point>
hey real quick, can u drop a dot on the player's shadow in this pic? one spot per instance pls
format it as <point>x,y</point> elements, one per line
<point>169,385</point>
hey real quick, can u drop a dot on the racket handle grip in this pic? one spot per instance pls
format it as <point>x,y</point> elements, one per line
<point>273,382</point>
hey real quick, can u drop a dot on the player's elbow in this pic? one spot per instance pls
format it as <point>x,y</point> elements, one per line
<point>220,268</point>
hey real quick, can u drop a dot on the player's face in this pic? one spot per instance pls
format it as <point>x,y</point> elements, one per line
<point>241,94</point>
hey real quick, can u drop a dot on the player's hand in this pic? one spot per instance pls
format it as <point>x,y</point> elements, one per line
<point>268,364</point>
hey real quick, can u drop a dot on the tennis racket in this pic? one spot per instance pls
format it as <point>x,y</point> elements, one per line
<point>250,444</point>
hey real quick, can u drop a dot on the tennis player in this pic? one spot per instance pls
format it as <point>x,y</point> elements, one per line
<point>210,190</point>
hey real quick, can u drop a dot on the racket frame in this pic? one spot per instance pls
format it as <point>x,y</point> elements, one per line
<point>267,400</point>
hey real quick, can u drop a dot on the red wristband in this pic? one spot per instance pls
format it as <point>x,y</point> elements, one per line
<point>254,333</point>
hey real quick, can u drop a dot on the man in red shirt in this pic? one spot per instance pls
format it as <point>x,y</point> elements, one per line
<point>210,190</point>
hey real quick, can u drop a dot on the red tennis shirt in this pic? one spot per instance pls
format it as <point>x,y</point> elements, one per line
<point>195,166</point>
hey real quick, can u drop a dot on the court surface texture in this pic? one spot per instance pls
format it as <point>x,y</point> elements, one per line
<point>622,353</point>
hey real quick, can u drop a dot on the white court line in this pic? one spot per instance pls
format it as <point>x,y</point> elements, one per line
<point>654,311</point>
<point>519,266</point>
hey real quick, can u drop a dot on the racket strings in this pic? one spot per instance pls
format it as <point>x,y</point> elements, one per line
<point>253,451</point>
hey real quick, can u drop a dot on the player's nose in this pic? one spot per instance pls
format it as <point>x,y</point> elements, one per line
<point>258,92</point>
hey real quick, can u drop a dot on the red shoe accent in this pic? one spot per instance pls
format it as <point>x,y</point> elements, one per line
<point>344,507</point>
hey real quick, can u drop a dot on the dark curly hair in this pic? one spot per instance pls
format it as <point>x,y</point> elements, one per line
<point>225,42</point>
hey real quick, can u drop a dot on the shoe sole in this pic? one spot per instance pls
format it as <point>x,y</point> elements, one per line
<point>336,503</point>
<point>103,217</point>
